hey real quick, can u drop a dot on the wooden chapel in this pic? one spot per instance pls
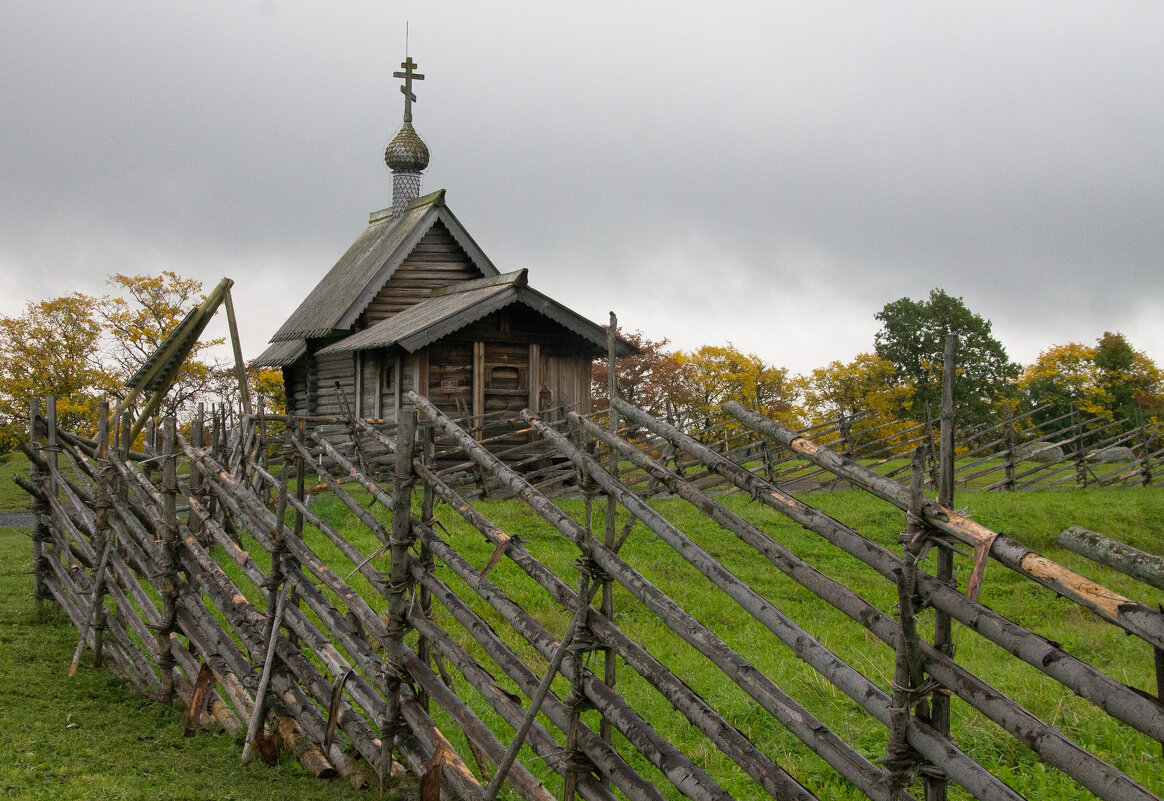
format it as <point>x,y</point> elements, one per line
<point>415,304</point>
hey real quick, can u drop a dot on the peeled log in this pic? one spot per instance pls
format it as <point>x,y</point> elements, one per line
<point>1130,561</point>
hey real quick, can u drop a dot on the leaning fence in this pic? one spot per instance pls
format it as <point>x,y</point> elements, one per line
<point>201,568</point>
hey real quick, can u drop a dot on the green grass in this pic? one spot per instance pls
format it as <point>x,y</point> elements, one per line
<point>124,746</point>
<point>1035,518</point>
<point>12,497</point>
<point>93,736</point>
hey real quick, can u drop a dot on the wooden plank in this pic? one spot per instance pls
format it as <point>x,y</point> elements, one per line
<point>535,379</point>
<point>478,379</point>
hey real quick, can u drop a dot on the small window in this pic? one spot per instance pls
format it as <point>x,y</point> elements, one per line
<point>504,377</point>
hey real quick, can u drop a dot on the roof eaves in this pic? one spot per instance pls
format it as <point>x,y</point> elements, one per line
<point>568,318</point>
<point>515,278</point>
<point>458,320</point>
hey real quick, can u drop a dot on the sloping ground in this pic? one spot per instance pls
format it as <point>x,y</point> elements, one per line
<point>94,736</point>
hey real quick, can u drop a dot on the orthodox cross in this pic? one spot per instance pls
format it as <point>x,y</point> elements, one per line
<point>409,75</point>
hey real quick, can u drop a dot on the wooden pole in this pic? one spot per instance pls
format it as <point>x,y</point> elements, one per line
<point>937,786</point>
<point>239,366</point>
<point>1009,437</point>
<point>1140,565</point>
<point>428,517</point>
<point>169,558</point>
<point>609,531</point>
<point>399,582</point>
<point>40,534</point>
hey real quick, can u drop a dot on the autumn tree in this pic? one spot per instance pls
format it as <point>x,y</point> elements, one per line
<point>651,379</point>
<point>1110,379</point>
<point>144,310</point>
<point>913,337</point>
<point>719,373</point>
<point>50,349</point>
<point>862,396</point>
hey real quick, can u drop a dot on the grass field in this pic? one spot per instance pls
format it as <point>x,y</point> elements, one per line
<point>92,737</point>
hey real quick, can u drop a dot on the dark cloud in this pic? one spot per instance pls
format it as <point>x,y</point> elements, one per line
<point>767,174</point>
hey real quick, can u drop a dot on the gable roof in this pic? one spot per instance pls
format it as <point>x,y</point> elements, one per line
<point>347,289</point>
<point>453,307</point>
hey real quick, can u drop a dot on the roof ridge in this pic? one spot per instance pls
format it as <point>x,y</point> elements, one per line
<point>515,278</point>
<point>436,198</point>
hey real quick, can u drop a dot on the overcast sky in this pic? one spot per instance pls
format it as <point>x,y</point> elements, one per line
<point>767,173</point>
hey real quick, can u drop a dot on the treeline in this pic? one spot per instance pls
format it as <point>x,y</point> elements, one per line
<point>897,384</point>
<point>79,347</point>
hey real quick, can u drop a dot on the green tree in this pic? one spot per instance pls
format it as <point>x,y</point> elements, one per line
<point>864,388</point>
<point>912,338</point>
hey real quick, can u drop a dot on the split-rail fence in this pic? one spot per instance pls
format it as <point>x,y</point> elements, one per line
<point>196,569</point>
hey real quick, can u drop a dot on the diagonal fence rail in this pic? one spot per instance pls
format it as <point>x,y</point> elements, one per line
<point>203,567</point>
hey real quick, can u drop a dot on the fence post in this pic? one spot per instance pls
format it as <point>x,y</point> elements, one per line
<point>169,554</point>
<point>1010,435</point>
<point>400,539</point>
<point>295,429</point>
<point>606,731</point>
<point>936,786</point>
<point>1080,457</point>
<point>908,675</point>
<point>196,475</point>
<point>40,509</point>
<point>427,516</point>
<point>1145,459</point>
<point>930,452</point>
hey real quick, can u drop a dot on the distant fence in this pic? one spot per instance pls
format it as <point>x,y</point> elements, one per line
<point>197,569</point>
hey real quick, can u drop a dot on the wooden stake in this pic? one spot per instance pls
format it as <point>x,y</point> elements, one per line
<point>40,535</point>
<point>169,558</point>
<point>398,584</point>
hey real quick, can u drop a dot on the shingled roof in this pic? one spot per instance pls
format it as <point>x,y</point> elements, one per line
<point>348,288</point>
<point>454,307</point>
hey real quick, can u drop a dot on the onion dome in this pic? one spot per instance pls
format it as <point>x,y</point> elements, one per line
<point>407,152</point>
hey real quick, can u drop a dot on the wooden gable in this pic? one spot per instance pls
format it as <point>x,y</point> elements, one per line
<point>437,260</point>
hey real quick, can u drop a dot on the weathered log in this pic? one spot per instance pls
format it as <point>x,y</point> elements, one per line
<point>1129,615</point>
<point>1140,565</point>
<point>1085,680</point>
<point>726,737</point>
<point>968,773</point>
<point>1052,747</point>
<point>794,717</point>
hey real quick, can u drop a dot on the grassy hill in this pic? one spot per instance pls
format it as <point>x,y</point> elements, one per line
<point>92,737</point>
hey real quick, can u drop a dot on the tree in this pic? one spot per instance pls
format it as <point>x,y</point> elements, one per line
<point>50,349</point>
<point>717,374</point>
<point>1111,379</point>
<point>1131,380</point>
<point>648,379</point>
<point>864,388</point>
<point>145,310</point>
<point>912,338</point>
